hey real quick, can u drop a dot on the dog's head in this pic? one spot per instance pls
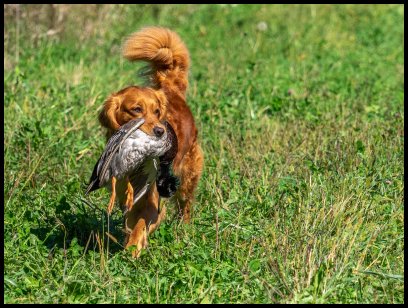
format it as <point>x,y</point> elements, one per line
<point>135,102</point>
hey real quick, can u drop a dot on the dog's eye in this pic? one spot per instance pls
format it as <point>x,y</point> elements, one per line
<point>157,113</point>
<point>137,109</point>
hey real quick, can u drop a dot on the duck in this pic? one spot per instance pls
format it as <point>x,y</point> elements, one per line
<point>140,159</point>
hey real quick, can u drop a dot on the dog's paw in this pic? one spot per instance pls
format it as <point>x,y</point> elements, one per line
<point>137,240</point>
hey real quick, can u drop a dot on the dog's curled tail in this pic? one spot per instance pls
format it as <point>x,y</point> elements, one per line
<point>165,51</point>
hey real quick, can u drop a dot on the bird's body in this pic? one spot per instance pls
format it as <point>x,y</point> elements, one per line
<point>133,155</point>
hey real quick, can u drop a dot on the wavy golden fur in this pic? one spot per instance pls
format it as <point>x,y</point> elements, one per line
<point>164,99</point>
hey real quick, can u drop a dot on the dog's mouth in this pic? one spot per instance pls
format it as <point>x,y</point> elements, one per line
<point>163,137</point>
<point>157,133</point>
<point>154,137</point>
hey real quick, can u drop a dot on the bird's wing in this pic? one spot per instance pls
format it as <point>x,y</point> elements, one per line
<point>94,181</point>
<point>113,144</point>
<point>116,141</point>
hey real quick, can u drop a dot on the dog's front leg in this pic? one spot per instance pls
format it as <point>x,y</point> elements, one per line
<point>142,220</point>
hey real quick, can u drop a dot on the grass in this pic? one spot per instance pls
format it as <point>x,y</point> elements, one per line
<point>302,125</point>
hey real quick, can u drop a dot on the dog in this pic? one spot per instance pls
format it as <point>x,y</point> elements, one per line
<point>164,99</point>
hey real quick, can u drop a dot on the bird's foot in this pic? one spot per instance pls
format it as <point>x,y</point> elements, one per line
<point>129,197</point>
<point>113,196</point>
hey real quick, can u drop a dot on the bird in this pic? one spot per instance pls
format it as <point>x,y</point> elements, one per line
<point>134,155</point>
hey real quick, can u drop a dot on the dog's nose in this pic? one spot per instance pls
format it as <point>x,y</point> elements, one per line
<point>158,131</point>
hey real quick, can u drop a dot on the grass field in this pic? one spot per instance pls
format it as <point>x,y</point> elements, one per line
<point>301,118</point>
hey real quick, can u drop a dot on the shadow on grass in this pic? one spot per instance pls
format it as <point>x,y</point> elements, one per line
<point>81,220</point>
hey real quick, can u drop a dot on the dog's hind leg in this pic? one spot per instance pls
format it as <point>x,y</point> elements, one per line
<point>191,170</point>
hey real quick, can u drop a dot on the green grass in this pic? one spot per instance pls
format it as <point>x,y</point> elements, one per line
<point>302,126</point>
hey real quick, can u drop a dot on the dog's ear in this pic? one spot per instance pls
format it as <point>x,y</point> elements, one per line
<point>108,114</point>
<point>162,99</point>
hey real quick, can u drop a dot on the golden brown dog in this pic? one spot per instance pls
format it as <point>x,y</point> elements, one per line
<point>165,99</point>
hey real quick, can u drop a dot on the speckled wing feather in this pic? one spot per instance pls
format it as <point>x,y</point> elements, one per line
<point>114,143</point>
